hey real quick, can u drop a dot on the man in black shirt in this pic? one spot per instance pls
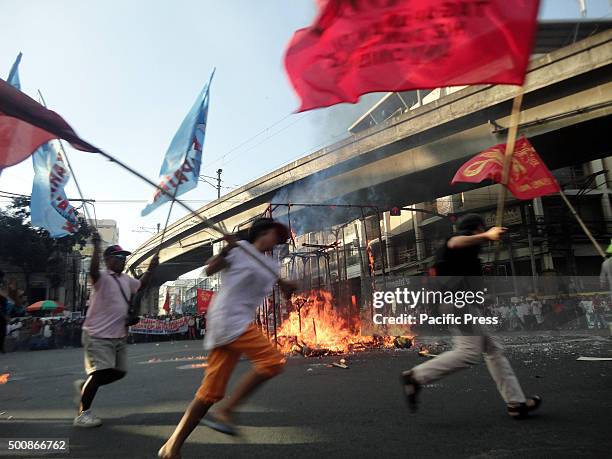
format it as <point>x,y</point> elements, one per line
<point>458,260</point>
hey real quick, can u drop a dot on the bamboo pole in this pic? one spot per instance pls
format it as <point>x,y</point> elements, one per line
<point>508,155</point>
<point>582,225</point>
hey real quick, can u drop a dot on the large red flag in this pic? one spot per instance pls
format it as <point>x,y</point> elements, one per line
<point>25,125</point>
<point>529,177</point>
<point>359,46</point>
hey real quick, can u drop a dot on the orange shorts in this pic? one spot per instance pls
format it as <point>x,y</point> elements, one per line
<point>223,359</point>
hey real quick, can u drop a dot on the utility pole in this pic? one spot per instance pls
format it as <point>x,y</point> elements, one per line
<point>219,182</point>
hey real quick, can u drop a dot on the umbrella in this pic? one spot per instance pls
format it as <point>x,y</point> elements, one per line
<point>45,306</point>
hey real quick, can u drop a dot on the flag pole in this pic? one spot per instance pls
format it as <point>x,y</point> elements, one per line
<point>167,219</point>
<point>582,225</point>
<point>203,219</point>
<point>508,155</point>
<point>76,182</point>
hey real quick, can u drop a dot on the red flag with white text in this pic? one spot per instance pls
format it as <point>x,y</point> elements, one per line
<point>529,177</point>
<point>356,47</point>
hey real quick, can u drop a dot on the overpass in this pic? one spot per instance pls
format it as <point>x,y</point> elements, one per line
<point>412,156</point>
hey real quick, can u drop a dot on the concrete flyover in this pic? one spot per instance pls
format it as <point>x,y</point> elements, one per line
<point>411,157</point>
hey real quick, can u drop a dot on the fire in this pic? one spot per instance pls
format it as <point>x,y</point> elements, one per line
<point>318,326</point>
<point>4,378</point>
<point>371,262</point>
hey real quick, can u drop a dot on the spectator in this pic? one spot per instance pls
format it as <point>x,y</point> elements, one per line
<point>191,327</point>
<point>536,309</point>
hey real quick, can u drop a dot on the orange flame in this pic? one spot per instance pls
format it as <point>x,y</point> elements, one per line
<point>318,326</point>
<point>4,378</point>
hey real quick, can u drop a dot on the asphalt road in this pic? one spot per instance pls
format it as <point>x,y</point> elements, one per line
<point>313,410</point>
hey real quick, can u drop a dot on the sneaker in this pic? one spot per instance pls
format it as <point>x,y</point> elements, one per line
<point>78,388</point>
<point>86,419</point>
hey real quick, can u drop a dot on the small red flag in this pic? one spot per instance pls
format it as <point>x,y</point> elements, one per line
<point>166,306</point>
<point>359,46</point>
<point>529,177</point>
<point>203,300</point>
<point>25,125</point>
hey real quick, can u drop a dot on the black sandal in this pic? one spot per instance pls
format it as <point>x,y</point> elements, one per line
<point>411,390</point>
<point>220,426</point>
<point>522,410</point>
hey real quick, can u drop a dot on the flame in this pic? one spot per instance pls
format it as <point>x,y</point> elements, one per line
<point>4,378</point>
<point>319,326</point>
<point>370,256</point>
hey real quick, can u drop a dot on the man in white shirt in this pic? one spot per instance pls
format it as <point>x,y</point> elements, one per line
<point>247,277</point>
<point>536,308</point>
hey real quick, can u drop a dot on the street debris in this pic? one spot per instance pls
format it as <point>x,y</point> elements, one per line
<point>424,352</point>
<point>175,359</point>
<point>594,359</point>
<point>191,366</point>
<point>339,365</point>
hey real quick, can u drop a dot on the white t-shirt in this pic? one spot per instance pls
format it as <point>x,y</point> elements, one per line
<point>244,285</point>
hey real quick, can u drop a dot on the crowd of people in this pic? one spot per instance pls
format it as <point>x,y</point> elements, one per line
<point>39,333</point>
<point>566,312</point>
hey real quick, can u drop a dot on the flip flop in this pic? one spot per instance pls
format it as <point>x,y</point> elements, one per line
<point>220,426</point>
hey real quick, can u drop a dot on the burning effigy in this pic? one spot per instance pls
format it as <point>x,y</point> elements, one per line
<point>317,326</point>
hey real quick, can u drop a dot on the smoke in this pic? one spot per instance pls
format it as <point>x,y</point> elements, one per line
<point>330,125</point>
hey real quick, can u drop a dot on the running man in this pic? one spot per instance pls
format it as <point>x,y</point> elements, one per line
<point>105,327</point>
<point>230,331</point>
<point>460,260</point>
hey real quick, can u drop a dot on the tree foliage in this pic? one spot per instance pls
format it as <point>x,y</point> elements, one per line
<point>32,249</point>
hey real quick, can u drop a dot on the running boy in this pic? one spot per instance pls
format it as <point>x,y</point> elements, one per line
<point>230,331</point>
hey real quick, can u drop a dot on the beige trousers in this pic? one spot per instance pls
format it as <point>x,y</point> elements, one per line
<point>466,352</point>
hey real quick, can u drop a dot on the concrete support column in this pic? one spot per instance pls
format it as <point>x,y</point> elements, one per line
<point>547,259</point>
<point>602,185</point>
<point>418,236</point>
<point>389,250</point>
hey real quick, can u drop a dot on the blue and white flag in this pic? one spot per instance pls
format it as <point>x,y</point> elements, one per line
<point>50,209</point>
<point>180,170</point>
<point>13,76</point>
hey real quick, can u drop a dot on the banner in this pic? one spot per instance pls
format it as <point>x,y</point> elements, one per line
<point>49,206</point>
<point>160,327</point>
<point>362,46</point>
<point>180,170</point>
<point>203,300</point>
<point>529,177</point>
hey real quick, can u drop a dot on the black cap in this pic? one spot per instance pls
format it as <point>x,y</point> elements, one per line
<point>113,250</point>
<point>470,222</point>
<point>263,224</point>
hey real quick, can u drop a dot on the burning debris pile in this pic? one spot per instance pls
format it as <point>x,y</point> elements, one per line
<point>317,327</point>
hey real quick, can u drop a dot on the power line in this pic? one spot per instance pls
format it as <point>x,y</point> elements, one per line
<point>222,157</point>
<point>263,141</point>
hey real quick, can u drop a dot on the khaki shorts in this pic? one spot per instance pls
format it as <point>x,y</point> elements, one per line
<point>104,353</point>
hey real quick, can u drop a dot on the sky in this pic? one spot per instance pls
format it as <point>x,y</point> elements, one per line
<point>125,73</point>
